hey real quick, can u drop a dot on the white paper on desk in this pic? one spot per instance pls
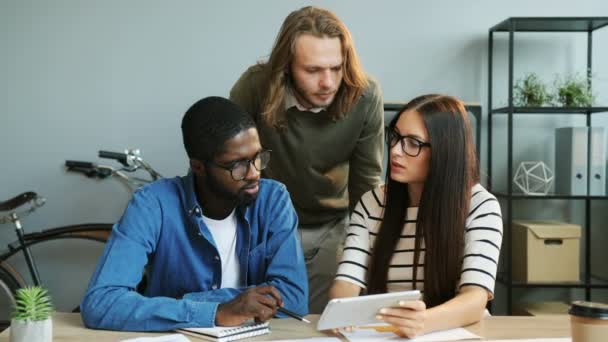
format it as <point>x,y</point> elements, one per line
<point>561,339</point>
<point>312,339</point>
<point>164,338</point>
<point>369,335</point>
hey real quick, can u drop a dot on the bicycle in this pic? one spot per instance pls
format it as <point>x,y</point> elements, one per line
<point>10,278</point>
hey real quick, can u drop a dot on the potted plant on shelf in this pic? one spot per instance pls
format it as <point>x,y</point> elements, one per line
<point>574,91</point>
<point>530,91</point>
<point>31,317</point>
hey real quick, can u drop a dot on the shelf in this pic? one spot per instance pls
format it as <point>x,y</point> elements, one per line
<point>549,196</point>
<point>551,24</point>
<point>549,110</point>
<point>397,106</point>
<point>510,196</point>
<point>594,284</point>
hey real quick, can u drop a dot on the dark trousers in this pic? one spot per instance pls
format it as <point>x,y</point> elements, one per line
<point>322,244</point>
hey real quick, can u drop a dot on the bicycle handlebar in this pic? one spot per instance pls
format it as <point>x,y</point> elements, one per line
<point>88,169</point>
<point>120,157</point>
<point>79,164</point>
<point>131,161</point>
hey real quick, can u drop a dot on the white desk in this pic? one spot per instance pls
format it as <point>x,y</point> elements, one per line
<point>67,327</point>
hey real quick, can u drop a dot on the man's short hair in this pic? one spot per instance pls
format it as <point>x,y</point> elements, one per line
<point>209,123</point>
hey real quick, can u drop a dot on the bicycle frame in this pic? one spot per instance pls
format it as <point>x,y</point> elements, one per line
<point>10,278</point>
<point>89,231</point>
<point>35,203</point>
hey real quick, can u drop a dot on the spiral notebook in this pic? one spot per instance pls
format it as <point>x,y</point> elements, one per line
<point>226,334</point>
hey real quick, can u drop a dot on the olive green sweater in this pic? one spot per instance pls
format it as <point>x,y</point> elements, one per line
<point>326,165</point>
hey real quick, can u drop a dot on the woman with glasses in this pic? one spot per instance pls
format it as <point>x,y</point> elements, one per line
<point>431,227</point>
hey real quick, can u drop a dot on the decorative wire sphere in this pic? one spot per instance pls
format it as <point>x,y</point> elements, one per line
<point>533,178</point>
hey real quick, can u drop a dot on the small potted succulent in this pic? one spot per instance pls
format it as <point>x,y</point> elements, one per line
<point>31,317</point>
<point>530,91</point>
<point>574,91</point>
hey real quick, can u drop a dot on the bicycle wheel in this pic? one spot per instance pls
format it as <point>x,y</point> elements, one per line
<point>9,283</point>
<point>66,258</point>
<point>71,251</point>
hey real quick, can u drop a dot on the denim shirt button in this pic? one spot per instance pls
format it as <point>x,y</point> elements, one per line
<point>216,258</point>
<point>214,287</point>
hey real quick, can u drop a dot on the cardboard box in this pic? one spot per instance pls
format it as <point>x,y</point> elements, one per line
<point>540,309</point>
<point>545,251</point>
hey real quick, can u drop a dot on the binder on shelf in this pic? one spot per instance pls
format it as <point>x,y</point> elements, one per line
<point>597,164</point>
<point>571,160</point>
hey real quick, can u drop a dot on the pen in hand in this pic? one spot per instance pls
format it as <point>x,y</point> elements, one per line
<point>292,314</point>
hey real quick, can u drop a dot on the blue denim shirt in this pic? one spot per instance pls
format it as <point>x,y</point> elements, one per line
<point>163,228</point>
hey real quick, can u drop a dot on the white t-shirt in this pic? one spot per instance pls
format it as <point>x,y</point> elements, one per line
<point>224,234</point>
<point>483,237</point>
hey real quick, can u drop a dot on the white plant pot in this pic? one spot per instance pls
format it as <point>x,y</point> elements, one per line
<point>31,331</point>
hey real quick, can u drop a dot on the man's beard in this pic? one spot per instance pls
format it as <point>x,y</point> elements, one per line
<point>300,94</point>
<point>310,100</point>
<point>240,198</point>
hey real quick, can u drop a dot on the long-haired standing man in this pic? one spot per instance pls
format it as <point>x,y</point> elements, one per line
<point>322,116</point>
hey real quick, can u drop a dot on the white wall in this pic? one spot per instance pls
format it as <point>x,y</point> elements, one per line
<point>79,76</point>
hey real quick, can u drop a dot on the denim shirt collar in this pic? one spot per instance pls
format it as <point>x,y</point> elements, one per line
<point>193,208</point>
<point>191,205</point>
<point>194,211</point>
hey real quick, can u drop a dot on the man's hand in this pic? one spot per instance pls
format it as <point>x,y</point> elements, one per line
<point>260,303</point>
<point>408,318</point>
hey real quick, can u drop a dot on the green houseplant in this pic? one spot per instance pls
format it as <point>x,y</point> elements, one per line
<point>530,91</point>
<point>31,317</point>
<point>574,91</point>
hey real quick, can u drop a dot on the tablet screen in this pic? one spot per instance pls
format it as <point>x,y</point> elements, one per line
<point>353,311</point>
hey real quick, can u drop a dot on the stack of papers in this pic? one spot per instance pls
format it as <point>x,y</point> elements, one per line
<point>382,332</point>
<point>312,339</point>
<point>562,339</point>
<point>164,338</point>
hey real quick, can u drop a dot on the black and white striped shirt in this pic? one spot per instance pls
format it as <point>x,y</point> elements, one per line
<point>483,237</point>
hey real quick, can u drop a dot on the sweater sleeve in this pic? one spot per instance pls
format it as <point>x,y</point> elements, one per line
<point>483,237</point>
<point>247,92</point>
<point>366,160</point>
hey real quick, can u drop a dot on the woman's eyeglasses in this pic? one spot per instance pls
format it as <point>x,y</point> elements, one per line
<point>410,145</point>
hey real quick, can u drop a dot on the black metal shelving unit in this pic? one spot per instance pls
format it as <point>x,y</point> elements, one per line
<point>539,24</point>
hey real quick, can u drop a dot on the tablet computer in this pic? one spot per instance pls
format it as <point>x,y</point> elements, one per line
<point>344,312</point>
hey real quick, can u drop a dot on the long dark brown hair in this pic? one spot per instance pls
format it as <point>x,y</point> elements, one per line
<point>444,203</point>
<point>320,23</point>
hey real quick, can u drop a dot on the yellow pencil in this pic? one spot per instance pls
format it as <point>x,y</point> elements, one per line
<point>380,328</point>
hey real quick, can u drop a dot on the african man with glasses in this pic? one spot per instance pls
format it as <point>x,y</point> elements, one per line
<point>220,245</point>
<point>431,227</point>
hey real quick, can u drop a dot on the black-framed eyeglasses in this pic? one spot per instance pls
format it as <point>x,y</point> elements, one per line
<point>240,168</point>
<point>410,145</point>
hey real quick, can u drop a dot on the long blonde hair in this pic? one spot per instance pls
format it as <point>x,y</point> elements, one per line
<point>319,23</point>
